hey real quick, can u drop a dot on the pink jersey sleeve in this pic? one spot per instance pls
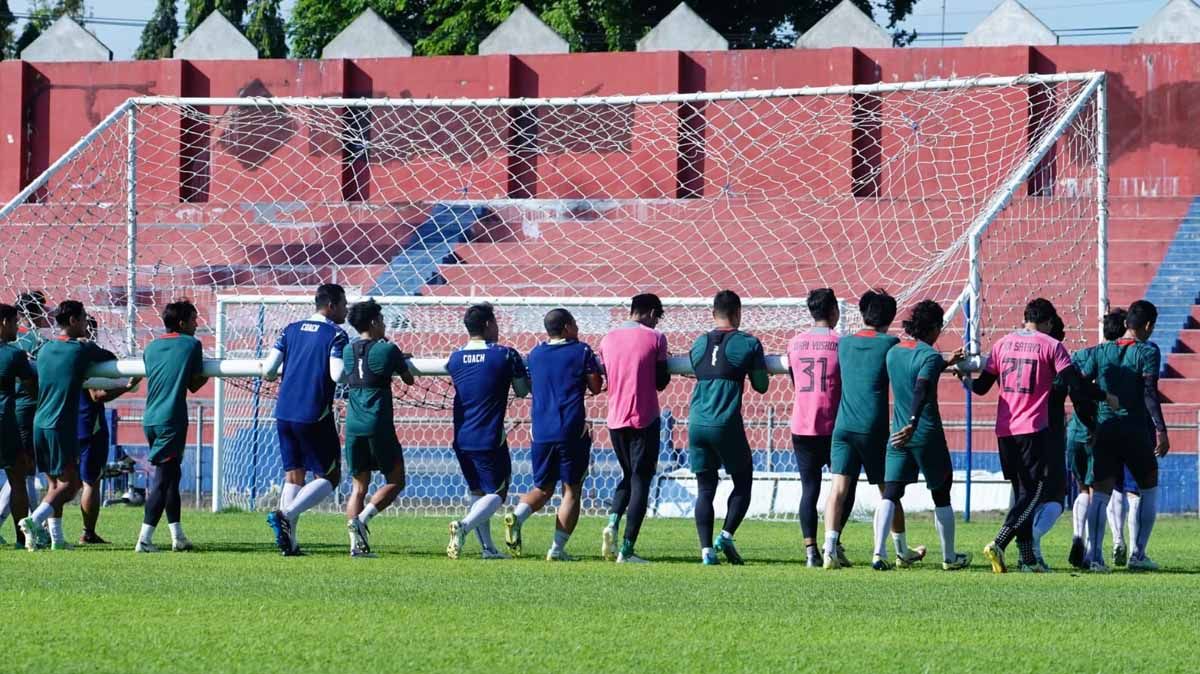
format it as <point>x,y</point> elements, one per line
<point>1061,358</point>
<point>663,353</point>
<point>992,366</point>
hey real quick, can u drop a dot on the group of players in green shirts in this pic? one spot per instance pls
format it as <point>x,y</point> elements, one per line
<point>840,420</point>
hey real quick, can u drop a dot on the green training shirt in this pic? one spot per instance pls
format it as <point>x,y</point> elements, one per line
<point>717,402</point>
<point>862,358</point>
<point>61,366</point>
<point>14,366</point>
<point>370,408</point>
<point>171,361</point>
<point>1120,368</point>
<point>29,341</point>
<point>907,362</point>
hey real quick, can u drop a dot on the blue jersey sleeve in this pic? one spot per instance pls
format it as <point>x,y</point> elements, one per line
<point>340,340</point>
<point>281,341</point>
<point>591,365</point>
<point>517,364</point>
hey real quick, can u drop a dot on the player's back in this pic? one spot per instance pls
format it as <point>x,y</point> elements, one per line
<point>557,379</point>
<point>907,362</point>
<point>61,366</point>
<point>630,354</point>
<point>306,389</point>
<point>482,374</point>
<point>14,366</point>
<point>371,364</point>
<point>813,358</point>
<point>862,365</point>
<point>721,360</point>
<point>171,360</point>
<point>29,341</point>
<point>1120,369</point>
<point>1025,363</point>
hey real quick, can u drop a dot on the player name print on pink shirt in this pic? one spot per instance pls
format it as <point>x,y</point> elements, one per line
<point>813,358</point>
<point>630,355</point>
<point>1025,363</point>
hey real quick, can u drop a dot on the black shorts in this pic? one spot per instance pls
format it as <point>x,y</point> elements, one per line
<point>1024,456</point>
<point>1118,443</point>
<point>637,448</point>
<point>812,452</point>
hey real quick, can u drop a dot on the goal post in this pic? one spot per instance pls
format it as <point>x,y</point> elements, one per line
<point>975,192</point>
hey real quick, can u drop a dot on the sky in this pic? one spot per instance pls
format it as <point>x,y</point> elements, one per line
<point>1074,20</point>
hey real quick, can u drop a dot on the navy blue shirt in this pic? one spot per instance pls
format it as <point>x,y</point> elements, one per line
<point>306,391</point>
<point>482,375</point>
<point>558,377</point>
<point>91,413</point>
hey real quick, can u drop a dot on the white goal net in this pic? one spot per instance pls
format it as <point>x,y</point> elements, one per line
<point>975,192</point>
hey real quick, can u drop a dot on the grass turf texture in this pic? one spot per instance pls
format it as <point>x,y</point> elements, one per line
<point>237,606</point>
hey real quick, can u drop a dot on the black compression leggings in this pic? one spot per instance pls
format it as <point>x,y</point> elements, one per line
<point>736,507</point>
<point>164,493</point>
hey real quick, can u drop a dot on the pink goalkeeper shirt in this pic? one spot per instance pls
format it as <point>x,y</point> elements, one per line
<point>1025,363</point>
<point>813,358</point>
<point>630,354</point>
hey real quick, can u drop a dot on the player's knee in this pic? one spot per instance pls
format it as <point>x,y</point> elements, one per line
<point>941,495</point>
<point>893,491</point>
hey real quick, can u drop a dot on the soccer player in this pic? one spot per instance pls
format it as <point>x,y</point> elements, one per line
<point>1127,369</point>
<point>559,371</point>
<point>93,436</point>
<point>860,433</point>
<point>1124,500</point>
<point>14,367</point>
<point>634,358</point>
<point>483,371</point>
<point>173,368</point>
<point>1051,506</point>
<point>1080,443</point>
<point>813,368</point>
<point>371,442</point>
<point>722,360</point>
<point>918,441</point>
<point>31,310</point>
<point>311,352</point>
<point>61,367</point>
<point>1026,362</point>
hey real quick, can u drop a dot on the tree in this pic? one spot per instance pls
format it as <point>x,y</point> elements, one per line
<point>198,11</point>
<point>6,35</point>
<point>314,23</point>
<point>265,29</point>
<point>158,38</point>
<point>41,14</point>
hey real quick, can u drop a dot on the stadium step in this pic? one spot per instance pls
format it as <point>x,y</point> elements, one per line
<point>1188,341</point>
<point>1180,390</point>
<point>1183,366</point>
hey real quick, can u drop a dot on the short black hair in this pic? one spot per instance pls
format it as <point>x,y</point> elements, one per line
<point>1057,329</point>
<point>477,318</point>
<point>1039,310</point>
<point>177,312</point>
<point>646,303</point>
<point>32,303</point>
<point>363,314</point>
<point>556,321</point>
<point>925,319</point>
<point>878,308</point>
<point>329,294</point>
<point>822,304</point>
<point>726,303</point>
<point>1114,324</point>
<point>68,309</point>
<point>1141,313</point>
<point>7,312</point>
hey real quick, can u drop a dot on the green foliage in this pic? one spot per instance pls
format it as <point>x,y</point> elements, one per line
<point>314,23</point>
<point>235,605</point>
<point>198,11</point>
<point>42,14</point>
<point>158,38</point>
<point>6,34</point>
<point>265,29</point>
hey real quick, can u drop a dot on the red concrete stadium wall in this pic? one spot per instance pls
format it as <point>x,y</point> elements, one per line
<point>1154,91</point>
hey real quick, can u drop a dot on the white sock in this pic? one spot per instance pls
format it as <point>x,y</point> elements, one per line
<point>42,513</point>
<point>883,524</point>
<point>1097,513</point>
<point>147,534</point>
<point>1043,520</point>
<point>560,539</point>
<point>1147,512</point>
<point>309,496</point>
<point>288,494</point>
<point>1118,509</point>
<point>5,501</point>
<point>943,519</point>
<point>831,543</point>
<point>483,532</point>
<point>54,524</point>
<point>176,531</point>
<point>1134,512</point>
<point>726,535</point>
<point>367,513</point>
<point>705,553</point>
<point>481,511</point>
<point>1079,515</point>
<point>522,512</point>
<point>31,488</point>
<point>900,542</point>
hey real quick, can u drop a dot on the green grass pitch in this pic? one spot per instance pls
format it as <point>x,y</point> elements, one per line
<point>237,606</point>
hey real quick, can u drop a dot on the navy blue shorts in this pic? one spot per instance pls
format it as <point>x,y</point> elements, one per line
<point>93,454</point>
<point>489,472</point>
<point>567,461</point>
<point>310,446</point>
<point>1125,481</point>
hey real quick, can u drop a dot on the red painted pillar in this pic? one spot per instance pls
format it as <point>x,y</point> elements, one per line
<point>14,144</point>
